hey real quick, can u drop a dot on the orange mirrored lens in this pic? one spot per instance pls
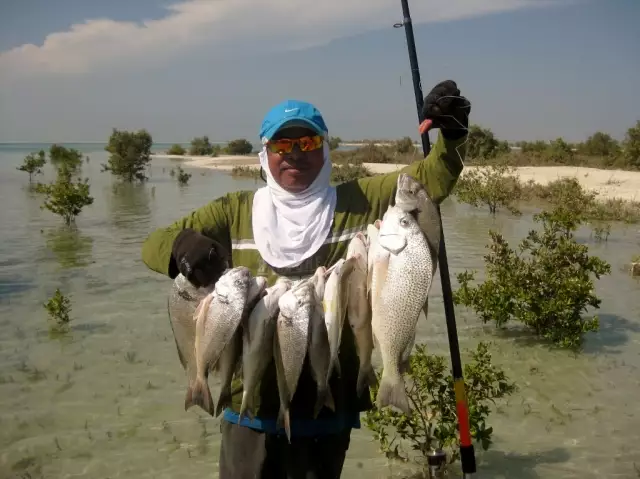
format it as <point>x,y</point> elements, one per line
<point>306,143</point>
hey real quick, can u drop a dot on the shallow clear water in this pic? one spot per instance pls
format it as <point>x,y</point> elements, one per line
<point>108,401</point>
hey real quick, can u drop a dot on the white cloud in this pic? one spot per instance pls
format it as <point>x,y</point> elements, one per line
<point>225,24</point>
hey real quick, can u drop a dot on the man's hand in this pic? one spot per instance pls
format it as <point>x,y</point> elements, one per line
<point>199,258</point>
<point>444,108</point>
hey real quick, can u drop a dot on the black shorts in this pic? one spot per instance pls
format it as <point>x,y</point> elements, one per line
<point>249,454</point>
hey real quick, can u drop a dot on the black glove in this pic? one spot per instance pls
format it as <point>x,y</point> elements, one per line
<point>199,258</point>
<point>447,110</point>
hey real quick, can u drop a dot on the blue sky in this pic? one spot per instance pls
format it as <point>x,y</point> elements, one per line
<point>532,69</point>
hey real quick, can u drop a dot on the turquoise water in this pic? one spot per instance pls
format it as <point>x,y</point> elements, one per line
<point>108,402</point>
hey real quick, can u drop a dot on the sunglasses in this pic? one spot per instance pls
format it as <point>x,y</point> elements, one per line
<point>285,145</point>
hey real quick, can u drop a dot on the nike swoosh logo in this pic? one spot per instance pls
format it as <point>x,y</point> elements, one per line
<point>293,109</point>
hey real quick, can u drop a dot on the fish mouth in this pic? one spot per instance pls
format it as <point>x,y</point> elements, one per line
<point>392,242</point>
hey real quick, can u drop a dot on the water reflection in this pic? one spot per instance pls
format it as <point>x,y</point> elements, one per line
<point>71,248</point>
<point>128,204</point>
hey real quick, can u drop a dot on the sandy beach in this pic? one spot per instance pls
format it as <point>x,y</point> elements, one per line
<point>607,183</point>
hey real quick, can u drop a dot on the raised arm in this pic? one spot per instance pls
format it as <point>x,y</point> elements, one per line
<point>211,221</point>
<point>445,109</point>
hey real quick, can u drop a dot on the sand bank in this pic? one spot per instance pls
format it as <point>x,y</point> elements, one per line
<point>608,183</point>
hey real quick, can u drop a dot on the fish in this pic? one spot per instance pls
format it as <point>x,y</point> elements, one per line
<point>226,367</point>
<point>291,340</point>
<point>412,196</point>
<point>319,352</point>
<point>257,343</point>
<point>335,299</point>
<point>401,282</point>
<point>372,241</point>
<point>182,303</point>
<point>359,311</point>
<point>218,318</point>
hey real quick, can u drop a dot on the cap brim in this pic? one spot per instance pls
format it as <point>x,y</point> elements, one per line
<point>290,123</point>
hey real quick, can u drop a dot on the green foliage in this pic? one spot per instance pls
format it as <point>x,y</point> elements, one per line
<point>342,173</point>
<point>176,149</point>
<point>183,176</point>
<point>33,164</point>
<point>58,307</point>
<point>481,143</point>
<point>631,146</point>
<point>65,158</point>
<point>66,197</point>
<point>334,142</point>
<point>239,147</point>
<point>559,151</point>
<point>201,147</point>
<point>404,145</point>
<point>546,285</point>
<point>495,186</point>
<point>600,144</point>
<point>433,422</point>
<point>130,153</point>
<point>246,172</point>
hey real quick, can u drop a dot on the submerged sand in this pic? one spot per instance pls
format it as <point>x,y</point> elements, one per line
<point>607,183</point>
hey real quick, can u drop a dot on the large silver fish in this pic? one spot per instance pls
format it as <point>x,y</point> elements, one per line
<point>297,306</point>
<point>412,196</point>
<point>257,343</point>
<point>359,311</point>
<point>335,301</point>
<point>401,281</point>
<point>319,352</point>
<point>182,305</point>
<point>218,319</point>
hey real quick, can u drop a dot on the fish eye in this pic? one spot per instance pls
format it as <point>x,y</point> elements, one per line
<point>238,282</point>
<point>404,222</point>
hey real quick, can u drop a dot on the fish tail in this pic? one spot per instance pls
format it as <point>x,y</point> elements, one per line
<point>224,399</point>
<point>287,424</point>
<point>323,398</point>
<point>199,394</point>
<point>392,393</point>
<point>284,421</point>
<point>366,377</point>
<point>246,408</point>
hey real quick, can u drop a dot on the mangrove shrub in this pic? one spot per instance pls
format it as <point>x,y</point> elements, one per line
<point>494,186</point>
<point>130,153</point>
<point>65,158</point>
<point>433,421</point>
<point>65,196</point>
<point>545,284</point>
<point>239,147</point>
<point>33,163</point>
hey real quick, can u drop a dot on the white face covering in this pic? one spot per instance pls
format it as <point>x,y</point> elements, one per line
<point>290,227</point>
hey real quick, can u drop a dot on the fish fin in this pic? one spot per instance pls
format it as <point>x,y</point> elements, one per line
<point>336,368</point>
<point>224,399</point>
<point>287,424</point>
<point>323,398</point>
<point>246,409</point>
<point>329,401</point>
<point>199,395</point>
<point>392,393</point>
<point>284,421</point>
<point>366,377</point>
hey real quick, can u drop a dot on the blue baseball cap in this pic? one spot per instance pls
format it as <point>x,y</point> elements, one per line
<point>292,113</point>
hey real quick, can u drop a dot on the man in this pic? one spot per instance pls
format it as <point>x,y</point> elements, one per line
<point>290,227</point>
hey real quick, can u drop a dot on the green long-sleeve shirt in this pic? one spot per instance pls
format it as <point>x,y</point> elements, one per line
<point>359,203</point>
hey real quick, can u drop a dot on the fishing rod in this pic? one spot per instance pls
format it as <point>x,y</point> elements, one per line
<point>467,455</point>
